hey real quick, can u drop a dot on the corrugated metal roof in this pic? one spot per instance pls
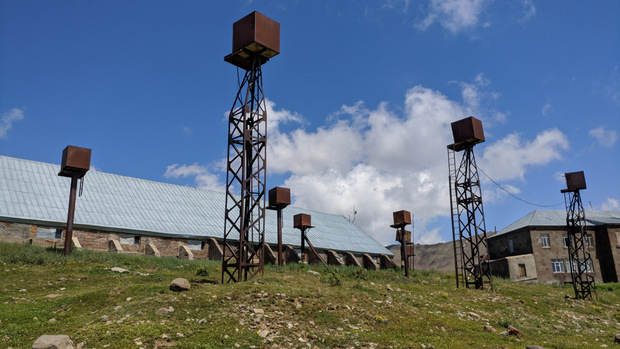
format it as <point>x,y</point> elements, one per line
<point>557,218</point>
<point>33,192</point>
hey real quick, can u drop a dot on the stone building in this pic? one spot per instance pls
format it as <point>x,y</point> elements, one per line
<point>534,248</point>
<point>131,215</point>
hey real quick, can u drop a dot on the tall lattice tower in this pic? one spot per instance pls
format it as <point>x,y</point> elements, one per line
<point>471,259</point>
<point>256,38</point>
<point>579,259</point>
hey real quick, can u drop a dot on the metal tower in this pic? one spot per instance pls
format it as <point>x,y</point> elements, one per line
<point>578,255</point>
<point>256,38</point>
<point>469,235</point>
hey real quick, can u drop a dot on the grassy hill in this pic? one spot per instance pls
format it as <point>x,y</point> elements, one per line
<point>298,306</point>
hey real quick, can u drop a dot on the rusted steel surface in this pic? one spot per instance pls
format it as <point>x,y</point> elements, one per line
<point>75,159</point>
<point>302,220</point>
<point>574,181</point>
<point>279,196</point>
<point>402,218</point>
<point>468,130</point>
<point>255,35</point>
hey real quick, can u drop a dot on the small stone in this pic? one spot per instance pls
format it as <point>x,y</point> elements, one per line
<point>514,332</point>
<point>298,306</point>
<point>22,290</point>
<point>162,311</point>
<point>315,273</point>
<point>179,284</point>
<point>533,347</point>
<point>301,340</point>
<point>53,295</point>
<point>559,327</point>
<point>117,308</point>
<point>617,338</point>
<point>504,333</point>
<point>258,311</point>
<point>263,333</point>
<point>52,320</point>
<point>389,287</point>
<point>489,328</point>
<point>49,341</point>
<point>181,335</point>
<point>472,314</point>
<point>119,270</point>
<point>202,321</point>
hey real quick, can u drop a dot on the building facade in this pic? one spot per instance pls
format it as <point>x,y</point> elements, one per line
<point>131,215</point>
<point>535,248</point>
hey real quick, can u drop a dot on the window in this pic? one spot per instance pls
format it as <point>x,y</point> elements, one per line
<point>589,240</point>
<point>127,239</point>
<point>511,247</point>
<point>195,245</point>
<point>49,233</point>
<point>588,265</point>
<point>557,265</point>
<point>565,240</point>
<point>544,240</point>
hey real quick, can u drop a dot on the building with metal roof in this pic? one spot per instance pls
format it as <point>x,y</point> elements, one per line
<point>115,207</point>
<point>534,248</point>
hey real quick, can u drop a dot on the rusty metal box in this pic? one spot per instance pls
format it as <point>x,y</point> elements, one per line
<point>257,32</point>
<point>302,220</point>
<point>468,130</point>
<point>575,181</point>
<point>74,159</point>
<point>402,218</point>
<point>409,250</point>
<point>407,236</point>
<point>279,197</point>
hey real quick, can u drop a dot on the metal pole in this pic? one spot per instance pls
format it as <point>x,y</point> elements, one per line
<point>280,259</point>
<point>404,251</point>
<point>303,239</point>
<point>70,215</point>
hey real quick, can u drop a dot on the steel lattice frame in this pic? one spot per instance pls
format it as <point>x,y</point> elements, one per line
<point>578,255</point>
<point>244,228</point>
<point>467,197</point>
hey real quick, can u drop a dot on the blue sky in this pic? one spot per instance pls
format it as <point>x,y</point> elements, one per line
<point>360,98</point>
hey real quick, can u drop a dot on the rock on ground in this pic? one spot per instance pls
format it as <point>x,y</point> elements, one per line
<point>179,284</point>
<point>53,342</point>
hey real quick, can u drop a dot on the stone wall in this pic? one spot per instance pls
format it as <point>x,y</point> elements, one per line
<point>145,244</point>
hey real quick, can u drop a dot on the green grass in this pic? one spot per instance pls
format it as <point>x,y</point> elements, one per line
<point>290,307</point>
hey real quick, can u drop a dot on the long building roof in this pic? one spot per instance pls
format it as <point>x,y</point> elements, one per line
<point>32,191</point>
<point>557,218</point>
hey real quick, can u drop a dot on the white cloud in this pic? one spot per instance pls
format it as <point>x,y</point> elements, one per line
<point>605,138</point>
<point>509,157</point>
<point>546,109</point>
<point>6,122</point>
<point>610,204</point>
<point>529,10</point>
<point>386,159</point>
<point>454,15</point>
<point>204,179</point>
